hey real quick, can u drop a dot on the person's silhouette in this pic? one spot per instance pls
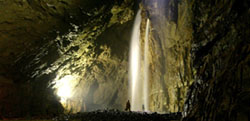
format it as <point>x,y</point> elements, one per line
<point>127,106</point>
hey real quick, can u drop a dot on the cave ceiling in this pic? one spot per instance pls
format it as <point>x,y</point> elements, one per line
<point>27,25</point>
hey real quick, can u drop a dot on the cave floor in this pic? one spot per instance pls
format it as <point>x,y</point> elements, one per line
<point>112,115</point>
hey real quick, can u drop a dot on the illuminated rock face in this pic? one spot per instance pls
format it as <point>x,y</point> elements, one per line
<point>77,64</point>
<point>40,20</point>
<point>170,71</point>
<point>89,73</point>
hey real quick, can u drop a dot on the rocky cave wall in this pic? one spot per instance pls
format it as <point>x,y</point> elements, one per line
<point>170,69</point>
<point>44,42</point>
<point>88,46</point>
<point>220,55</point>
<point>58,40</point>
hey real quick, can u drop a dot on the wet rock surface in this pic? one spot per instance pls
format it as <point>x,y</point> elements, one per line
<point>170,70</point>
<point>220,52</point>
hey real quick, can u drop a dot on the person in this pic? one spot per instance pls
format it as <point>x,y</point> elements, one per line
<point>127,106</point>
<point>143,108</point>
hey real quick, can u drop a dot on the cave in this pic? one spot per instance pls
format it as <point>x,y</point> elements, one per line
<point>173,60</point>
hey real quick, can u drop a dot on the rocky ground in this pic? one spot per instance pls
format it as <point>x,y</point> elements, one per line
<point>110,115</point>
<point>115,115</point>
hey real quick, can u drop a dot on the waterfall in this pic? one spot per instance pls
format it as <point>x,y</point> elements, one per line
<point>146,66</point>
<point>134,62</point>
<point>138,86</point>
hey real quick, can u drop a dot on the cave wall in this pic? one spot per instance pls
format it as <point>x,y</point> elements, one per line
<point>200,46</point>
<point>87,54</point>
<point>88,46</point>
<point>41,19</point>
<point>66,39</point>
<point>170,69</point>
<point>220,55</point>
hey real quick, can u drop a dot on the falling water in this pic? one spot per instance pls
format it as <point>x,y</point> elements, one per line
<point>145,82</point>
<point>136,87</point>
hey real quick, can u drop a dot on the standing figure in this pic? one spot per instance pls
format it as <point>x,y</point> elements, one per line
<point>127,106</point>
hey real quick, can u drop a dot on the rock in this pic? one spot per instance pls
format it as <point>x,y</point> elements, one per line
<point>72,56</point>
<point>221,62</point>
<point>116,115</point>
<point>170,70</point>
<point>62,42</point>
